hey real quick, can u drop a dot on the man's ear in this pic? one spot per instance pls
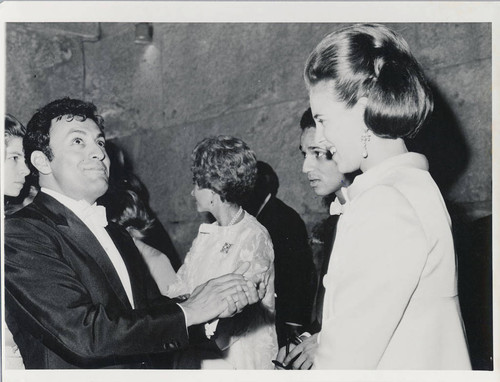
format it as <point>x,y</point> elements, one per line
<point>41,162</point>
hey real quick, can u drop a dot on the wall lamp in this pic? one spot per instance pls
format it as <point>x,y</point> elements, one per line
<point>143,33</point>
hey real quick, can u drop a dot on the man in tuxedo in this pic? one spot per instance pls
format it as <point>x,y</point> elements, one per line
<point>78,294</point>
<point>326,181</point>
<point>293,264</point>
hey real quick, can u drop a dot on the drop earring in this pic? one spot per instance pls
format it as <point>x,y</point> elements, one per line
<point>213,196</point>
<point>365,137</point>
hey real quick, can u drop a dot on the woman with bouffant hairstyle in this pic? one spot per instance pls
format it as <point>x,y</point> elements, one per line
<point>224,172</point>
<point>225,165</point>
<point>391,294</point>
<point>374,63</point>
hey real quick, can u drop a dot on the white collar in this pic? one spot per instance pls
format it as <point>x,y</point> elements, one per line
<point>263,204</point>
<point>79,207</point>
<point>373,175</point>
<point>337,207</point>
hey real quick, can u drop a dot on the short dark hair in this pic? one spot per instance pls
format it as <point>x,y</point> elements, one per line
<point>267,180</point>
<point>372,61</point>
<point>13,128</point>
<point>38,130</point>
<point>225,165</point>
<point>307,120</point>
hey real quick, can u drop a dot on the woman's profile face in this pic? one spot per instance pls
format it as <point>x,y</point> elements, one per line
<point>203,197</point>
<point>338,127</point>
<point>15,169</point>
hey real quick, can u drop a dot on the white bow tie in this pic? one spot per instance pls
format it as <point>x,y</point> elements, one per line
<point>336,208</point>
<point>96,215</point>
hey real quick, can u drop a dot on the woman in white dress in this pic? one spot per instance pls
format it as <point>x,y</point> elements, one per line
<point>226,168</point>
<point>224,172</point>
<point>391,292</point>
<point>15,172</point>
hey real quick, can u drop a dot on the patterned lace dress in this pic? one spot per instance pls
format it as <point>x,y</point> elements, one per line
<point>218,250</point>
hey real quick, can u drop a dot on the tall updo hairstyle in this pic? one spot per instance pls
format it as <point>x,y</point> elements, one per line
<point>225,165</point>
<point>372,61</point>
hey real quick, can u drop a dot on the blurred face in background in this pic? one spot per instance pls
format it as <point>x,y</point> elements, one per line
<point>321,170</point>
<point>15,169</point>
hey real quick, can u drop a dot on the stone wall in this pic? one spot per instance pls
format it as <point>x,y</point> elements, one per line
<point>245,80</point>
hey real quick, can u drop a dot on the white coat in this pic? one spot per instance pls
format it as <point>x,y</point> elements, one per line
<point>391,288</point>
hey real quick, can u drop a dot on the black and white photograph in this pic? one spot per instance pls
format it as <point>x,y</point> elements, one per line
<point>280,190</point>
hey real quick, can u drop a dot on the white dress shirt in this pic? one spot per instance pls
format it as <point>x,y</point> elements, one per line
<point>83,210</point>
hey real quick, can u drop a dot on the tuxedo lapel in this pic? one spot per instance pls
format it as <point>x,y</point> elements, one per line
<point>133,261</point>
<point>83,240</point>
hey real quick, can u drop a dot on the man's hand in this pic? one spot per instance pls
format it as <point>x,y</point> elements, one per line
<point>304,352</point>
<point>221,297</point>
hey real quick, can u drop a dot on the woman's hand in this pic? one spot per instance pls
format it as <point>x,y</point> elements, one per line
<point>303,352</point>
<point>244,295</point>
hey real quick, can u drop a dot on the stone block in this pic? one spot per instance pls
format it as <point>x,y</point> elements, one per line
<point>466,88</point>
<point>441,45</point>
<point>124,79</point>
<point>40,69</point>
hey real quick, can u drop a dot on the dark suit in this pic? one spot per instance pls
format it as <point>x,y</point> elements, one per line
<point>66,306</point>
<point>473,244</point>
<point>329,230</point>
<point>294,269</point>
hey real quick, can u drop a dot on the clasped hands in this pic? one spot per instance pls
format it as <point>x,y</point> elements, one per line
<point>223,296</point>
<point>300,356</point>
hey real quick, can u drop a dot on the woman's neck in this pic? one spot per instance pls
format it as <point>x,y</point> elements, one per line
<point>226,213</point>
<point>379,149</point>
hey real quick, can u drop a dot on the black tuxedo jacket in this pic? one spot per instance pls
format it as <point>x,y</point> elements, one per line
<point>65,303</point>
<point>294,268</point>
<point>328,238</point>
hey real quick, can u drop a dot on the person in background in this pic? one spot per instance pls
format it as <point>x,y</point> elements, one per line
<point>473,243</point>
<point>224,172</point>
<point>295,275</point>
<point>125,189</point>
<point>391,288</point>
<point>126,202</point>
<point>326,181</point>
<point>77,292</point>
<point>14,176</point>
<point>129,211</point>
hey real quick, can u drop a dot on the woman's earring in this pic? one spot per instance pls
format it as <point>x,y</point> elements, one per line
<point>365,137</point>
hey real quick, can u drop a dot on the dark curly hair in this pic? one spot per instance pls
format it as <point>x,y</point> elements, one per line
<point>372,61</point>
<point>225,165</point>
<point>38,130</point>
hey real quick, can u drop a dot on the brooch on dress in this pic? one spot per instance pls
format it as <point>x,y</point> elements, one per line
<point>225,248</point>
